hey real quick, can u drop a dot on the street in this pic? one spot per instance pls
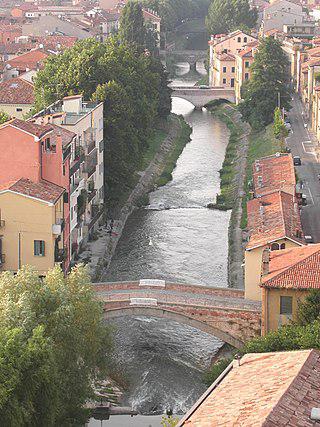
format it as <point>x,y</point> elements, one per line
<point>304,144</point>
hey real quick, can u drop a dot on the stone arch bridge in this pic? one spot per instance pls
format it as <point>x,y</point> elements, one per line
<point>201,96</point>
<point>222,312</point>
<point>190,56</point>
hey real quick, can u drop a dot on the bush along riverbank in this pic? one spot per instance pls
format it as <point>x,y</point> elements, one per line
<point>157,164</point>
<point>232,176</point>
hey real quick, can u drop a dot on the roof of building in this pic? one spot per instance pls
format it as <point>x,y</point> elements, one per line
<point>65,134</point>
<point>223,56</point>
<point>274,173</point>
<point>16,91</point>
<point>30,59</point>
<point>233,34</point>
<point>296,268</point>
<point>29,127</point>
<point>43,190</point>
<point>273,217</point>
<point>247,51</point>
<point>264,389</point>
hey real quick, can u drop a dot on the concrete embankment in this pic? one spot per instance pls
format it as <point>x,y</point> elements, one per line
<point>233,175</point>
<point>99,252</point>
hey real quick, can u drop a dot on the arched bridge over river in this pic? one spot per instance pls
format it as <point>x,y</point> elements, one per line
<point>200,97</point>
<point>222,312</point>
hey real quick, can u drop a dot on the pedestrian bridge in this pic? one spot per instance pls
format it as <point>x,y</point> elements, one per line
<point>222,312</point>
<point>200,97</point>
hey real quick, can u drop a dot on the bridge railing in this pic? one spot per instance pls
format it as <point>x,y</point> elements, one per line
<point>124,299</point>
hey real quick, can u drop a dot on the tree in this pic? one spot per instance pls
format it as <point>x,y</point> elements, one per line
<point>133,88</point>
<point>53,346</point>
<point>309,309</point>
<point>169,421</point>
<point>225,16</point>
<point>279,129</point>
<point>132,29</point>
<point>269,82</point>
<point>4,117</point>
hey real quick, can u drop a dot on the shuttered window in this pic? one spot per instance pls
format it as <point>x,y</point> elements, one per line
<point>39,249</point>
<point>285,305</point>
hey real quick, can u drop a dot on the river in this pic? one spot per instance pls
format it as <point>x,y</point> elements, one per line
<point>164,361</point>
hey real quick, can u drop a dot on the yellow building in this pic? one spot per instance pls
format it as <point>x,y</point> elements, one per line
<point>243,61</point>
<point>274,223</point>
<point>288,276</point>
<point>31,225</point>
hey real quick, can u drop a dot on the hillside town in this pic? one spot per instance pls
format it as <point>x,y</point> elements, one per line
<point>159,213</point>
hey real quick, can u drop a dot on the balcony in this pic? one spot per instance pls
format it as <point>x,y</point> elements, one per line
<point>60,255</point>
<point>79,158</point>
<point>2,259</point>
<point>90,163</point>
<point>75,185</point>
<point>91,195</point>
<point>58,227</point>
<point>89,140</point>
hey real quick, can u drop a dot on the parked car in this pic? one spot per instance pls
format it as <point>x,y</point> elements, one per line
<point>296,161</point>
<point>308,239</point>
<point>304,200</point>
<point>204,87</point>
<point>287,150</point>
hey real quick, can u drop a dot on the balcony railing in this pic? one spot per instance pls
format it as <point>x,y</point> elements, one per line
<point>91,195</point>
<point>60,255</point>
<point>90,163</point>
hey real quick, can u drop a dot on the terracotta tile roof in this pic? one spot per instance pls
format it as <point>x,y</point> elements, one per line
<point>16,91</point>
<point>43,190</point>
<point>247,52</point>
<point>225,56</point>
<point>297,268</point>
<point>34,129</point>
<point>267,389</point>
<point>30,59</point>
<point>65,134</point>
<point>273,217</point>
<point>274,173</point>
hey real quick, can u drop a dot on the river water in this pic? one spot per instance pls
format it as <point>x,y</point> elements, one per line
<point>164,361</point>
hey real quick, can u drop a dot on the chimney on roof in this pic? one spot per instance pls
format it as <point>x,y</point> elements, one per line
<point>265,261</point>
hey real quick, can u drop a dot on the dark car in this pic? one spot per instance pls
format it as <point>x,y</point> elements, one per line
<point>296,161</point>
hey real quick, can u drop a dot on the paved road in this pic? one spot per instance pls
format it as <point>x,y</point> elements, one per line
<point>304,144</point>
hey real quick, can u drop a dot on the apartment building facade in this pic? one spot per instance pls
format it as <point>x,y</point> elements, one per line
<point>86,174</point>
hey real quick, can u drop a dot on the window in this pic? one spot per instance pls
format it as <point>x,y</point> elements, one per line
<point>232,82</point>
<point>246,76</point>
<point>224,69</point>
<point>233,69</point>
<point>274,247</point>
<point>18,109</point>
<point>246,64</point>
<point>282,246</point>
<point>239,39</point>
<point>245,39</point>
<point>224,81</point>
<point>64,170</point>
<point>39,247</point>
<point>65,197</point>
<point>47,144</point>
<point>100,124</point>
<point>285,305</point>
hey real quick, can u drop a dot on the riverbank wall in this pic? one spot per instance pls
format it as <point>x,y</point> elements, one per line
<point>232,185</point>
<point>98,253</point>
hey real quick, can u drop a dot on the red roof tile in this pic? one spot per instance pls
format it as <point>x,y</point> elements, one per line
<point>30,60</point>
<point>297,268</point>
<point>43,190</point>
<point>16,91</point>
<point>267,389</point>
<point>274,173</point>
<point>273,217</point>
<point>65,134</point>
<point>29,127</point>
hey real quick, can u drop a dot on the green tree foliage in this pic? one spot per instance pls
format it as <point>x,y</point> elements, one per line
<point>4,117</point>
<point>269,80</point>
<point>169,421</point>
<point>225,16</point>
<point>132,29</point>
<point>279,129</point>
<point>309,309</point>
<point>53,345</point>
<point>133,87</point>
<point>173,12</point>
<point>216,370</point>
